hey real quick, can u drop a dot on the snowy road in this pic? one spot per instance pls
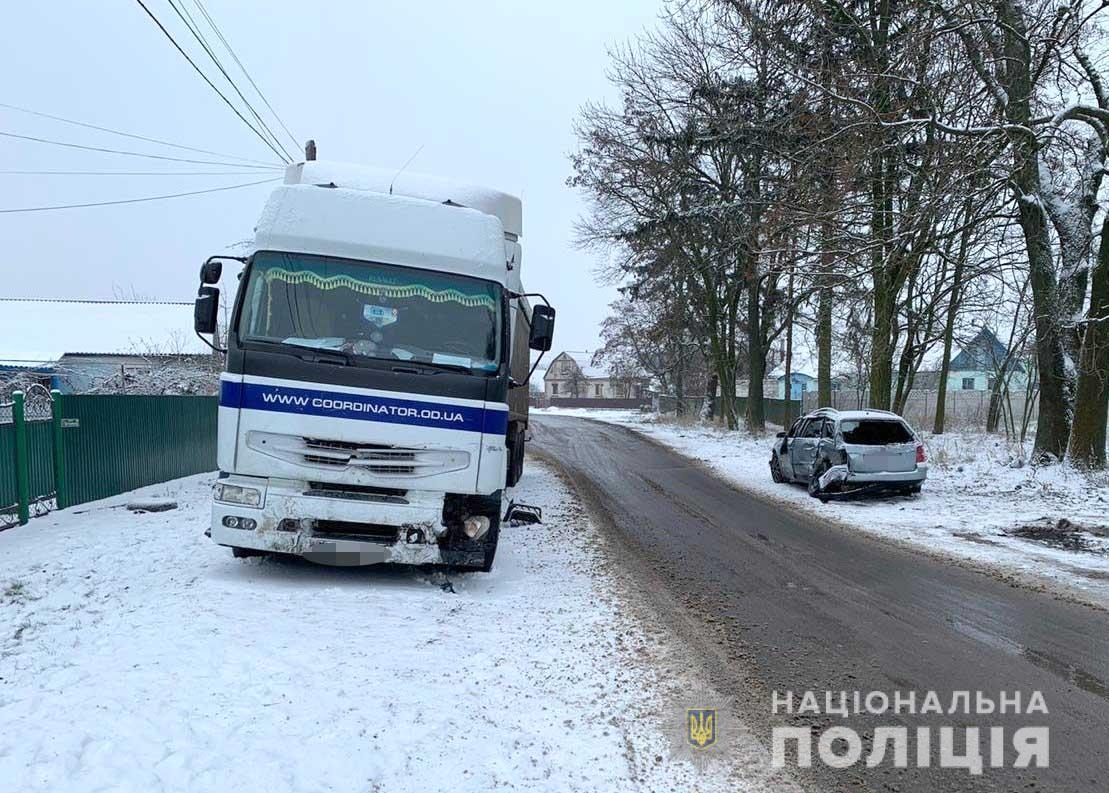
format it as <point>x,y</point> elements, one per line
<point>137,656</point>
<point>793,603</point>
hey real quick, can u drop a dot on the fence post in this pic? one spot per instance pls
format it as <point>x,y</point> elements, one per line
<point>59,450</point>
<point>22,480</point>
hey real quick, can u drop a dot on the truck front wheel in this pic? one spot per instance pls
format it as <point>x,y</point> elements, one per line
<point>490,548</point>
<point>457,549</point>
<point>515,443</point>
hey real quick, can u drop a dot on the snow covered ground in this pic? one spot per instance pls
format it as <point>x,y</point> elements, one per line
<point>972,500</point>
<point>135,655</point>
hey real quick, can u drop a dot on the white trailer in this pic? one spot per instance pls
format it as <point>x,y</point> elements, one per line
<point>374,403</point>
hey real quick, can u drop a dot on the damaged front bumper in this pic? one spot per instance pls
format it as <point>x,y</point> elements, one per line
<point>351,530</point>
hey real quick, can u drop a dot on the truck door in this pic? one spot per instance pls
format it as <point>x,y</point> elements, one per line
<point>803,449</point>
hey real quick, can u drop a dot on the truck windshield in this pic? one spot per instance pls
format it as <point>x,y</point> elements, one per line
<point>373,310</point>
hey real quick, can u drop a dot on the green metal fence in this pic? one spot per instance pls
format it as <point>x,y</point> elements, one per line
<point>777,411</point>
<point>92,447</point>
<point>27,459</point>
<point>116,443</point>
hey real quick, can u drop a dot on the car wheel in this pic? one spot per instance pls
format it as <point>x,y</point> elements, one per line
<point>776,470</point>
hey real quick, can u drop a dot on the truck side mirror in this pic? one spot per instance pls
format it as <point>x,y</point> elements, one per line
<point>211,271</point>
<point>206,309</point>
<point>542,328</point>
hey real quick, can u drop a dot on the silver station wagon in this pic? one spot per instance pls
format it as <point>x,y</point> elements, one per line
<point>847,453</point>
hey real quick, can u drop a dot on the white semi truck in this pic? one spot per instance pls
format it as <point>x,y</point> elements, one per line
<point>374,403</point>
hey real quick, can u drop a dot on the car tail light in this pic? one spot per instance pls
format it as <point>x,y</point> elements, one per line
<point>920,458</point>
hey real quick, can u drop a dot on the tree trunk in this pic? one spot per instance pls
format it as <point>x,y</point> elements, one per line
<point>824,346</point>
<point>1054,417</point>
<point>756,362</point>
<point>881,344</point>
<point>787,409</point>
<point>709,401</point>
<point>949,327</point>
<point>1091,409</point>
<point>824,297</point>
<point>993,415</point>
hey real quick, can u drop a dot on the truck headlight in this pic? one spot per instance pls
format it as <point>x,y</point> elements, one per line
<point>236,494</point>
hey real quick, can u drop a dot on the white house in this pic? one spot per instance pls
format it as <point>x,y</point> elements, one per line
<point>572,375</point>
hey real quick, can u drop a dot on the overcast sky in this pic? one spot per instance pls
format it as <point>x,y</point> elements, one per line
<point>489,89</point>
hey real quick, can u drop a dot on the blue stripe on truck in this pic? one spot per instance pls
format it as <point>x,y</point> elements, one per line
<point>337,404</point>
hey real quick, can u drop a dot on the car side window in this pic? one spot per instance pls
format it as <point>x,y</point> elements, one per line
<point>829,428</point>
<point>811,428</point>
<point>795,430</point>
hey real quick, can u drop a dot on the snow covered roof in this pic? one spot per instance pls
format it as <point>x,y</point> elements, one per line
<point>373,226</point>
<point>414,185</point>
<point>584,360</point>
<point>42,331</point>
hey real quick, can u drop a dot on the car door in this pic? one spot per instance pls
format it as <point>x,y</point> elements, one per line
<point>804,447</point>
<point>782,448</point>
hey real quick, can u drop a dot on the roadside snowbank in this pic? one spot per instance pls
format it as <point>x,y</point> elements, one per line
<point>971,502</point>
<point>136,655</point>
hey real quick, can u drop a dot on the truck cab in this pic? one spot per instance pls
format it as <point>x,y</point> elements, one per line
<point>374,403</point>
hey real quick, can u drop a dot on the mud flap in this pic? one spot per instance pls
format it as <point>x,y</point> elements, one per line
<point>520,514</point>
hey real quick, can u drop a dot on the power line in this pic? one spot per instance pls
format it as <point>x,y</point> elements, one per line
<point>136,153</point>
<point>128,173</point>
<point>219,34</point>
<point>128,134</point>
<point>134,200</point>
<point>184,15</point>
<point>281,155</point>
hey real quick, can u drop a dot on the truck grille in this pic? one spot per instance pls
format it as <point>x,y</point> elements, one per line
<point>388,495</point>
<point>375,458</point>
<point>378,459</point>
<point>363,532</point>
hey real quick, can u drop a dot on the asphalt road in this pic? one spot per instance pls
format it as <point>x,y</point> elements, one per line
<point>769,599</point>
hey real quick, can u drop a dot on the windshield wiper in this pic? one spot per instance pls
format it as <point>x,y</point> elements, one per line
<point>422,367</point>
<point>450,367</point>
<point>321,354</point>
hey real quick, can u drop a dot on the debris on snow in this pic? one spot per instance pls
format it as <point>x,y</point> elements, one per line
<point>152,505</point>
<point>1064,534</point>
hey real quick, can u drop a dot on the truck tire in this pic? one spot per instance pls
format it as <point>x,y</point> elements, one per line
<point>474,556</point>
<point>490,547</point>
<point>459,551</point>
<point>515,444</point>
